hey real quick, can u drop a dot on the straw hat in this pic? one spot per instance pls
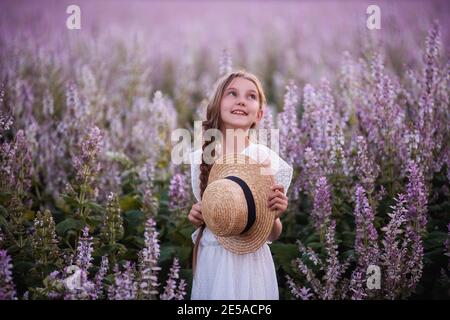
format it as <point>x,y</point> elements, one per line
<point>234,203</point>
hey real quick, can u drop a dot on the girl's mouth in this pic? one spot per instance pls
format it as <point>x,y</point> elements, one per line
<point>239,113</point>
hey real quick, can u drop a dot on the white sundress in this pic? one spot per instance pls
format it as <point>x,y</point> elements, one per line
<point>223,275</point>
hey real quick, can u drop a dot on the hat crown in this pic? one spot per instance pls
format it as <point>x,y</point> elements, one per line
<point>225,208</point>
<point>234,203</point>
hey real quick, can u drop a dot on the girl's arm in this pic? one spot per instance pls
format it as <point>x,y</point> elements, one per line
<point>276,230</point>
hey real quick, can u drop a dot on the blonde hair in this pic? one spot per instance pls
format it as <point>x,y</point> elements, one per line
<point>213,120</point>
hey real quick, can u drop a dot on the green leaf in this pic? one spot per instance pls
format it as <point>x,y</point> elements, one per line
<point>2,220</point>
<point>130,254</point>
<point>5,196</point>
<point>70,200</point>
<point>314,245</point>
<point>94,206</point>
<point>3,211</point>
<point>435,239</point>
<point>69,224</point>
<point>167,252</point>
<point>135,240</point>
<point>184,252</point>
<point>94,220</point>
<point>313,237</point>
<point>348,253</point>
<point>178,238</point>
<point>110,248</point>
<point>129,202</point>
<point>134,218</point>
<point>284,253</point>
<point>29,215</point>
<point>187,232</point>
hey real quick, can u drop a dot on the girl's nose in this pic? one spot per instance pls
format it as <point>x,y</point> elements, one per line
<point>241,103</point>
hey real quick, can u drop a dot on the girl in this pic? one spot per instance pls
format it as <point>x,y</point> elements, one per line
<point>237,102</point>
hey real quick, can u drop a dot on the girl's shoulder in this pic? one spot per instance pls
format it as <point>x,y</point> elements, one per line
<point>261,153</point>
<point>282,171</point>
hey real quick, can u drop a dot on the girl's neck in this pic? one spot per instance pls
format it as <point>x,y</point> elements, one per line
<point>241,142</point>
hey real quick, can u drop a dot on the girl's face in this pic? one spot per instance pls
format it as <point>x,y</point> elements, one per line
<point>239,107</point>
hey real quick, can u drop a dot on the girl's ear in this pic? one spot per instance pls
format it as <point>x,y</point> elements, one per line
<point>260,114</point>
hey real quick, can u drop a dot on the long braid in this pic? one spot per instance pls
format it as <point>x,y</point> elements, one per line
<point>205,168</point>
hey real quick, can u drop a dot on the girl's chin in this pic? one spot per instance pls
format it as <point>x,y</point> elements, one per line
<point>238,124</point>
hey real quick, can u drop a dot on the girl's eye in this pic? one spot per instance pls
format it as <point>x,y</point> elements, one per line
<point>253,96</point>
<point>232,92</point>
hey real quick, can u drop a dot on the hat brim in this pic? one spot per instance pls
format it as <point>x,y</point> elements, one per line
<point>260,182</point>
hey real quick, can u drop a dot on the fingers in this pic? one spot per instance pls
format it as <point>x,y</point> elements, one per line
<point>276,193</point>
<point>274,201</point>
<point>279,211</point>
<point>196,218</point>
<point>279,206</point>
<point>196,210</point>
<point>195,221</point>
<point>277,200</point>
<point>195,215</point>
<point>197,206</point>
<point>277,197</point>
<point>279,187</point>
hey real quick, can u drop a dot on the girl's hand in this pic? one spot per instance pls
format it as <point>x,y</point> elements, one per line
<point>277,200</point>
<point>195,215</point>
